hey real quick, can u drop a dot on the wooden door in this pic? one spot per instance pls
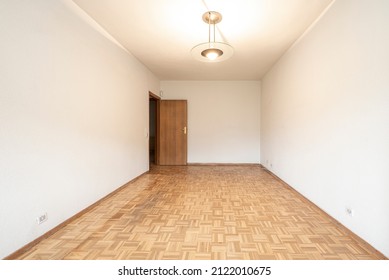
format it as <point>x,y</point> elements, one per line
<point>172,132</point>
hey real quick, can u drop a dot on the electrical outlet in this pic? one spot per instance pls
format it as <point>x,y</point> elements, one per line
<point>349,211</point>
<point>42,218</point>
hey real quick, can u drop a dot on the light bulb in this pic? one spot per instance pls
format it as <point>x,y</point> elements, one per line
<point>212,54</point>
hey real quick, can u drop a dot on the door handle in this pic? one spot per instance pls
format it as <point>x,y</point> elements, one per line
<point>184,129</point>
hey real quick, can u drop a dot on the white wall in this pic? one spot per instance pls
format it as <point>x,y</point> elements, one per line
<point>73,117</point>
<point>325,117</point>
<point>223,119</point>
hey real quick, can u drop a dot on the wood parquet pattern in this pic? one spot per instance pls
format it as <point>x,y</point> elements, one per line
<point>204,212</point>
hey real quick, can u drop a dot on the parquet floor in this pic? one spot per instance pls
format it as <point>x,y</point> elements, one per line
<point>204,212</point>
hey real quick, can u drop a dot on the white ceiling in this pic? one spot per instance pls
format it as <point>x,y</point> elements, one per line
<point>161,33</point>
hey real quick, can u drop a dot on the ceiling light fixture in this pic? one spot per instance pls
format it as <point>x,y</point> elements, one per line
<point>212,51</point>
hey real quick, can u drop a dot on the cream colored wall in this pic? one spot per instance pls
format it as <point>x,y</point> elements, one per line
<point>73,117</point>
<point>325,117</point>
<point>223,119</point>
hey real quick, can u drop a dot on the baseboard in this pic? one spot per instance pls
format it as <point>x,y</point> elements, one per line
<point>222,164</point>
<point>27,247</point>
<point>332,219</point>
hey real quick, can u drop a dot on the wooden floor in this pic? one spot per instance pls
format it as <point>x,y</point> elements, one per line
<point>204,212</point>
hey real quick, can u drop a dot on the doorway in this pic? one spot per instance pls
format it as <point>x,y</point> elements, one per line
<point>153,128</point>
<point>167,131</point>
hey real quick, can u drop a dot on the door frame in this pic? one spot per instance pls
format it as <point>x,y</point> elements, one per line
<point>157,99</point>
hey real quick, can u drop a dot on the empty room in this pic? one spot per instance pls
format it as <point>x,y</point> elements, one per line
<point>194,130</point>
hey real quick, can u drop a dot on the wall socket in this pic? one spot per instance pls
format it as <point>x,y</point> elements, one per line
<point>41,219</point>
<point>350,211</point>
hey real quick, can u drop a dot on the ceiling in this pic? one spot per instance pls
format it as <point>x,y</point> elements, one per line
<point>162,33</point>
